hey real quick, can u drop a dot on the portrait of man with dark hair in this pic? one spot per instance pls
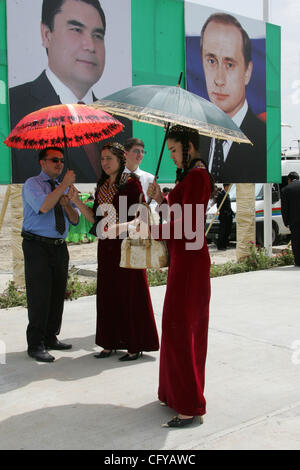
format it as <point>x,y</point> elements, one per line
<point>73,35</point>
<point>225,51</point>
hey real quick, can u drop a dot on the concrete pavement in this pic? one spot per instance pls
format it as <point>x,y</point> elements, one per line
<point>79,402</point>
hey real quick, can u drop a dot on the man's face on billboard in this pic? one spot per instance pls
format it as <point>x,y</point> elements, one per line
<point>226,73</point>
<point>76,49</point>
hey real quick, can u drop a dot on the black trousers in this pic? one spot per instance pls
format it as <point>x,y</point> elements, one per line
<point>224,230</point>
<point>46,274</point>
<point>295,239</point>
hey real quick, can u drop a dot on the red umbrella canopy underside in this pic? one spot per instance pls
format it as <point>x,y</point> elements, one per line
<point>82,124</point>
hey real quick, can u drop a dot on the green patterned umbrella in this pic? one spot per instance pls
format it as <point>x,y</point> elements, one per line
<point>171,105</point>
<point>161,105</point>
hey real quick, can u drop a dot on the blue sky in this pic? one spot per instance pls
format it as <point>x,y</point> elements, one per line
<point>284,13</point>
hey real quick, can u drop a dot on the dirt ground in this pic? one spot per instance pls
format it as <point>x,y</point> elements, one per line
<point>84,253</point>
<point>5,244</point>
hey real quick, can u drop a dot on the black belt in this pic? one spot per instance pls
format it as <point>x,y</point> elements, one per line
<point>50,241</point>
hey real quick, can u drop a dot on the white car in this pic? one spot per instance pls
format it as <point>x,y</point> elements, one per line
<point>290,162</point>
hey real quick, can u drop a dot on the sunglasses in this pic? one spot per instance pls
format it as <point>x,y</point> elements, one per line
<point>56,160</point>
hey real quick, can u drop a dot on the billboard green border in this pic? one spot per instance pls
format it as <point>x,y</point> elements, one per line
<point>273,79</point>
<point>5,162</point>
<point>158,57</point>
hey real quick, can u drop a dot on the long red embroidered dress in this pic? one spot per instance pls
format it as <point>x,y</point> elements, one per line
<point>125,318</point>
<point>186,308</point>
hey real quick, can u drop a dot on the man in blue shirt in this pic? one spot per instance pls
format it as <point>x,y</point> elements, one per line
<point>47,212</point>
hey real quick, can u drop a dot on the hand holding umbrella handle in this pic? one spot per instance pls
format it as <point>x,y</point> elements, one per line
<point>154,192</point>
<point>69,178</point>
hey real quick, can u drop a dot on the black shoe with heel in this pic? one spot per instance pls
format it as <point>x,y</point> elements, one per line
<point>177,422</point>
<point>129,357</point>
<point>103,354</point>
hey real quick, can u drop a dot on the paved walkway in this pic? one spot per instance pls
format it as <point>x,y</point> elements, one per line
<point>79,402</point>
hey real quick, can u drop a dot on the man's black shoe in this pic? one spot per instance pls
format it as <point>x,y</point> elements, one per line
<point>41,355</point>
<point>58,346</point>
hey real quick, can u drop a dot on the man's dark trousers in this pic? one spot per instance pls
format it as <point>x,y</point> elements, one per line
<point>295,240</point>
<point>224,230</point>
<point>46,273</point>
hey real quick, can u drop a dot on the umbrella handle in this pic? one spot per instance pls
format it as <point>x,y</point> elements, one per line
<point>166,136</point>
<point>66,147</point>
<point>160,156</point>
<point>180,78</point>
<point>164,142</point>
<point>162,150</point>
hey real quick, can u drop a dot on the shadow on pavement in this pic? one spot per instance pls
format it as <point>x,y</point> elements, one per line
<point>21,370</point>
<point>86,426</point>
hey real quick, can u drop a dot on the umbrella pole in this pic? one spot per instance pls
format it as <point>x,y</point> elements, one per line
<point>166,136</point>
<point>162,151</point>
<point>164,142</point>
<point>160,157</point>
<point>66,148</point>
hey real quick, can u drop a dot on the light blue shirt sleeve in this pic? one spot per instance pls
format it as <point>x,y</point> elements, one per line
<point>35,193</point>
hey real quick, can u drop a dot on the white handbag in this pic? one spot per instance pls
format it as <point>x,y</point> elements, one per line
<point>143,253</point>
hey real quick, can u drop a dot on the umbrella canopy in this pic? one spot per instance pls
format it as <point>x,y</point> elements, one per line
<point>64,125</point>
<point>163,105</point>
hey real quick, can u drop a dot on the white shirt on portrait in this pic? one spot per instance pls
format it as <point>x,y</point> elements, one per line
<point>66,96</point>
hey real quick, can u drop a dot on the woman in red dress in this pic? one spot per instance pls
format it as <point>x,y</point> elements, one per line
<point>125,318</point>
<point>186,305</point>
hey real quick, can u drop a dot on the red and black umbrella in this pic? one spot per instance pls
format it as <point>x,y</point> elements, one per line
<point>64,125</point>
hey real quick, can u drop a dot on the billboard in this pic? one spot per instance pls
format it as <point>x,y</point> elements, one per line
<point>142,47</point>
<point>5,170</point>
<point>226,64</point>
<point>75,54</point>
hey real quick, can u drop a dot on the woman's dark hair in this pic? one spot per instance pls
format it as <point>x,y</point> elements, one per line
<point>51,8</point>
<point>119,151</point>
<point>185,135</point>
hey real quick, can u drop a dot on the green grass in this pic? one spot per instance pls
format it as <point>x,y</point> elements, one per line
<point>257,260</point>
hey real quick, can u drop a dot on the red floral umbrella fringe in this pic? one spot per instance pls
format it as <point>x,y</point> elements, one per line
<point>76,140</point>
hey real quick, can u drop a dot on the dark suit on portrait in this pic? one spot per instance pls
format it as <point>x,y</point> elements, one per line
<point>29,97</point>
<point>244,163</point>
<point>290,209</point>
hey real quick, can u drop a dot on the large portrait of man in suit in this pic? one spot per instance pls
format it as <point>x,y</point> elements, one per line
<point>73,35</point>
<point>227,70</point>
